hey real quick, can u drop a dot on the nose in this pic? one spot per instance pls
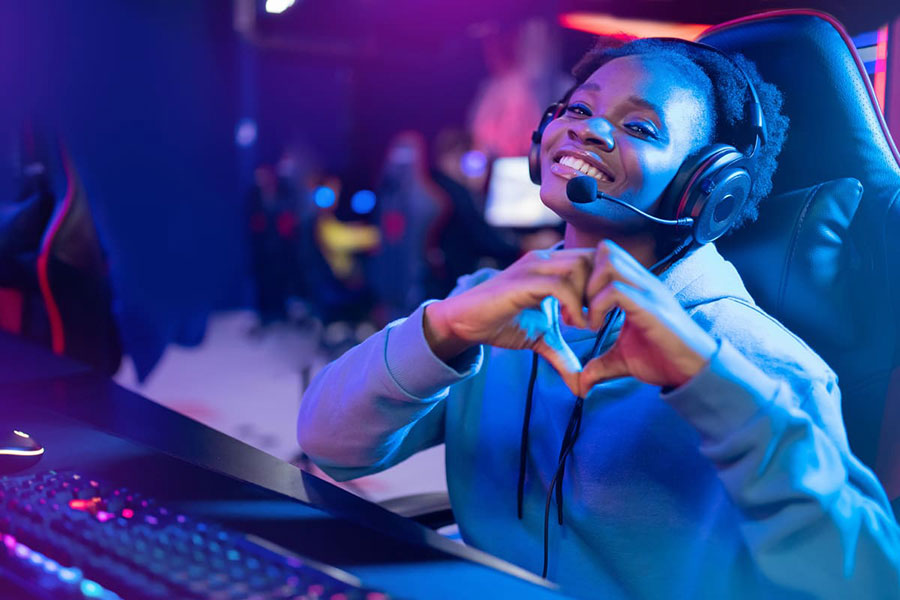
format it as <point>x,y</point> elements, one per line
<point>595,131</point>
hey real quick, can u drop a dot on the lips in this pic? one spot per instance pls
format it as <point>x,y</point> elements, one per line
<point>574,163</point>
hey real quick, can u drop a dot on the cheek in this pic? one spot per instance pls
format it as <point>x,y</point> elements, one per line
<point>649,172</point>
<point>549,139</point>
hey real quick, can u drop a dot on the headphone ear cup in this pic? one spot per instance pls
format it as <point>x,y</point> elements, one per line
<point>534,153</point>
<point>534,157</point>
<point>711,188</point>
<point>728,190</point>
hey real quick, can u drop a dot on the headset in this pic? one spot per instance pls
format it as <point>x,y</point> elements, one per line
<point>709,190</point>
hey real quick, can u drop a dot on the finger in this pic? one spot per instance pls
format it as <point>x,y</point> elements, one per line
<point>604,271</point>
<point>539,259</point>
<point>612,257</point>
<point>570,320</point>
<point>616,294</point>
<point>576,265</point>
<point>553,348</point>
<point>564,290</point>
<point>613,269</point>
<point>608,365</point>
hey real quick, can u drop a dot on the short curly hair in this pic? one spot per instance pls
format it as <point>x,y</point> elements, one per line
<point>723,86</point>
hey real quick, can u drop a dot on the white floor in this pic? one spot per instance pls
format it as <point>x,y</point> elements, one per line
<point>249,386</point>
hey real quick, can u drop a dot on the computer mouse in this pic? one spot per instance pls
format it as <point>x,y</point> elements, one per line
<point>18,451</point>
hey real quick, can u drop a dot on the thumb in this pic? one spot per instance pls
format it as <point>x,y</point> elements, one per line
<point>554,349</point>
<point>608,365</point>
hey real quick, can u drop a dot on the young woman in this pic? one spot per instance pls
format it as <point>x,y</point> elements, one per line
<point>672,440</point>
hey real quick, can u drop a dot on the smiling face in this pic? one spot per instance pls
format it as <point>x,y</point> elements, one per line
<point>630,125</point>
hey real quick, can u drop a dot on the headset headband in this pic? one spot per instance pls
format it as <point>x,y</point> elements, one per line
<point>756,121</point>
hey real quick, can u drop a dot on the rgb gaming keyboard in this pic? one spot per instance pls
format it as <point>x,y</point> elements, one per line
<point>65,536</point>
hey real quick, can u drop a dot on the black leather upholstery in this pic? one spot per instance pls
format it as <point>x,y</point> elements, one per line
<point>836,132</point>
<point>794,259</point>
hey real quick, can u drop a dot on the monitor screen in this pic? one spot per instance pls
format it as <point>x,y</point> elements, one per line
<point>512,200</point>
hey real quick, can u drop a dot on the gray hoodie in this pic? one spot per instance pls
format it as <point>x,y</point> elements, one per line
<point>739,483</point>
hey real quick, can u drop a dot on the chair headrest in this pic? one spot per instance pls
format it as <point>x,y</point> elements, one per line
<point>836,130</point>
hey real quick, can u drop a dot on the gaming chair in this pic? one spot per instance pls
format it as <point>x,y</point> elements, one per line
<point>824,255</point>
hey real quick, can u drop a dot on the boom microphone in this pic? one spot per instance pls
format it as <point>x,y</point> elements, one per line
<point>583,190</point>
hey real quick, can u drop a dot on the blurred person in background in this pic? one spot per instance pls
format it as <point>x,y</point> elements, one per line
<point>342,296</point>
<point>413,211</point>
<point>273,223</point>
<point>523,61</point>
<point>299,173</point>
<point>465,240</point>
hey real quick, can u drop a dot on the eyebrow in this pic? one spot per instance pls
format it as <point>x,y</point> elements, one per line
<point>636,100</point>
<point>643,103</point>
<point>590,86</point>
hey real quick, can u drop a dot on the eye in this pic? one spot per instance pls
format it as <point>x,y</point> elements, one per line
<point>644,129</point>
<point>578,109</point>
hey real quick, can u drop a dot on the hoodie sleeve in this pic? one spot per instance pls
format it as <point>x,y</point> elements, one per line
<point>816,520</point>
<point>381,402</point>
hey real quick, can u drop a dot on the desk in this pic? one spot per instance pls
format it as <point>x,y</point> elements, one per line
<point>89,424</point>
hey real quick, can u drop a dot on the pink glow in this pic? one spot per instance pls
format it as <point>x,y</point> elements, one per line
<point>80,504</point>
<point>880,79</point>
<point>602,24</point>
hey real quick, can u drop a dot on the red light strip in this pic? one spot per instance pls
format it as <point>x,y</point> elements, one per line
<point>602,24</point>
<point>879,79</point>
<point>57,334</point>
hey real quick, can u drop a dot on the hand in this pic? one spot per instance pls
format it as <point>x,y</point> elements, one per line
<point>659,342</point>
<point>517,309</point>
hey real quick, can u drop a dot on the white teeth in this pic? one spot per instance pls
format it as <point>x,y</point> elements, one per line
<point>571,161</point>
<point>580,165</point>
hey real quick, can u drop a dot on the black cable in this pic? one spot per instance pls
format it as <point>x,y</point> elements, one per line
<point>574,425</point>
<point>575,416</point>
<point>556,477</point>
<point>523,445</point>
<point>568,441</point>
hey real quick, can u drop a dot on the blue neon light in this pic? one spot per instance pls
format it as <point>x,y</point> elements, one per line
<point>324,197</point>
<point>363,202</point>
<point>473,163</point>
<point>91,589</point>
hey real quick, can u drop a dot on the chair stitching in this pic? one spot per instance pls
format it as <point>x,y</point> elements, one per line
<point>793,246</point>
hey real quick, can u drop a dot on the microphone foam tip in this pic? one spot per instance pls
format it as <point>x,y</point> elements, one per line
<point>582,190</point>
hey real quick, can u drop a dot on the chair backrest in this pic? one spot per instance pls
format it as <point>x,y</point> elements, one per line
<point>852,319</point>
